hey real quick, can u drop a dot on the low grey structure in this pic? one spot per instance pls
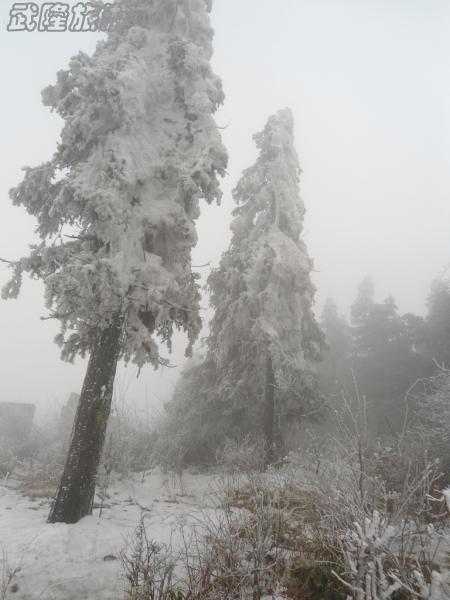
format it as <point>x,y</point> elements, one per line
<point>16,420</point>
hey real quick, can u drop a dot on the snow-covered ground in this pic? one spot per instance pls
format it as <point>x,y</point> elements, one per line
<point>79,562</point>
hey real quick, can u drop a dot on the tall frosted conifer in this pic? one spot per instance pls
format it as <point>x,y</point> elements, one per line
<point>264,341</point>
<point>116,209</point>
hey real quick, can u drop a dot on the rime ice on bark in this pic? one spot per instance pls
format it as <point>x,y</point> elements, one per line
<point>117,203</point>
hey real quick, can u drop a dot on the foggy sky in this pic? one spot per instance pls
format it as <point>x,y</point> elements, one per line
<point>369,84</point>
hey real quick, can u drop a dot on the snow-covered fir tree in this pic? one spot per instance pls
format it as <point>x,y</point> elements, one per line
<point>116,208</point>
<point>259,372</point>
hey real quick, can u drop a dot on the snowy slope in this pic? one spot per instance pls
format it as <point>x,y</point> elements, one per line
<point>67,562</point>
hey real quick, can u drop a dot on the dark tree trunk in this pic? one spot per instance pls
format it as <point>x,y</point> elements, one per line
<point>269,412</point>
<point>75,495</point>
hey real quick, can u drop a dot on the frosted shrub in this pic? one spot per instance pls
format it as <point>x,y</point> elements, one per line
<point>251,543</point>
<point>437,589</point>
<point>245,456</point>
<point>169,449</point>
<point>427,421</point>
<point>128,449</point>
<point>148,568</point>
<point>382,541</point>
<point>241,463</point>
<point>365,549</point>
<point>229,554</point>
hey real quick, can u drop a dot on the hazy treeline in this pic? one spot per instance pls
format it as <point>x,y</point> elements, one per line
<point>383,352</point>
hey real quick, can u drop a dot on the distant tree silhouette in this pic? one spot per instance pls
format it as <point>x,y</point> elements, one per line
<point>437,325</point>
<point>335,369</point>
<point>389,353</point>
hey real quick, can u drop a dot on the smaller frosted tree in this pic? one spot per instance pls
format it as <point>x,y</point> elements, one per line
<point>264,342</point>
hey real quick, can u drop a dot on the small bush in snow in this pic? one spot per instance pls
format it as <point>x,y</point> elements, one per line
<point>7,575</point>
<point>149,569</point>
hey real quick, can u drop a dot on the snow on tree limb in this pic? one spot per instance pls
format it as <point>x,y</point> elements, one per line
<point>116,205</point>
